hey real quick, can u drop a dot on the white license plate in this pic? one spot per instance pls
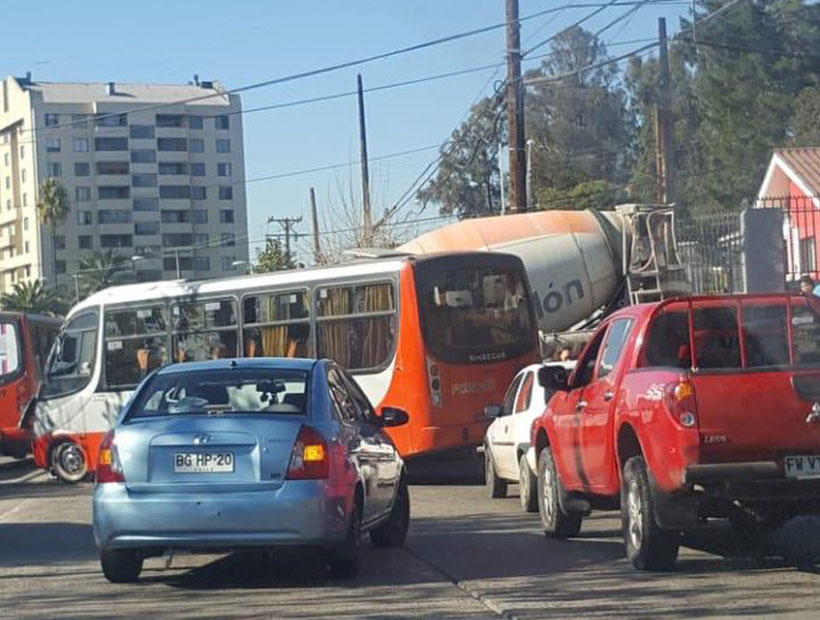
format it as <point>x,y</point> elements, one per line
<point>203,462</point>
<point>806,466</point>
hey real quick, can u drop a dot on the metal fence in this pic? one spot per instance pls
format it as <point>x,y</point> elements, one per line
<point>801,225</point>
<point>711,248</point>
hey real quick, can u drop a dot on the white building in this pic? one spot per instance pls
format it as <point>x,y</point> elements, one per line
<point>151,170</point>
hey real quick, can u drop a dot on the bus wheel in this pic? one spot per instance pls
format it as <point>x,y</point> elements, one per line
<point>68,462</point>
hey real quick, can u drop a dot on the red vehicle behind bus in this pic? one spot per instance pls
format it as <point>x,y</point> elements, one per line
<point>438,336</point>
<point>25,340</point>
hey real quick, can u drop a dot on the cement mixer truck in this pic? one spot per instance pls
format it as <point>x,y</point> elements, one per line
<point>580,264</point>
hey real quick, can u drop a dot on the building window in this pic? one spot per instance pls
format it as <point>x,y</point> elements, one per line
<point>114,192</point>
<point>80,145</point>
<point>111,120</point>
<point>226,192</point>
<point>198,169</point>
<point>175,217</point>
<point>85,242</point>
<point>194,122</point>
<point>202,263</point>
<point>148,250</point>
<point>199,216</point>
<point>200,239</point>
<point>170,240</point>
<point>116,241</point>
<point>142,132</point>
<point>143,156</point>
<point>170,263</point>
<point>197,145</point>
<point>59,266</point>
<point>112,167</point>
<point>6,158</point>
<point>228,240</point>
<point>25,223</point>
<point>55,169</point>
<point>146,204</point>
<point>59,242</point>
<point>113,216</point>
<point>175,191</point>
<point>228,263</point>
<point>223,170</point>
<point>84,218</point>
<point>808,254</point>
<point>52,146</point>
<point>8,204</point>
<point>170,120</point>
<point>83,193</point>
<point>23,175</point>
<point>79,121</point>
<point>223,146</point>
<point>144,180</point>
<point>146,228</point>
<point>226,216</point>
<point>173,168</point>
<point>8,182</point>
<point>25,199</point>
<point>52,119</point>
<point>82,169</point>
<point>172,144</point>
<point>111,144</point>
<point>198,192</point>
<point>222,122</point>
<point>26,248</point>
<point>23,150</point>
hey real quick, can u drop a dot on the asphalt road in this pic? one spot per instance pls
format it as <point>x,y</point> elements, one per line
<point>467,557</point>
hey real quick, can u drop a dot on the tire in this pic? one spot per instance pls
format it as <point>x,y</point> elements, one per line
<point>496,486</point>
<point>648,546</point>
<point>393,532</point>
<point>527,486</point>
<point>68,462</point>
<point>121,565</point>
<point>556,522</point>
<point>344,560</point>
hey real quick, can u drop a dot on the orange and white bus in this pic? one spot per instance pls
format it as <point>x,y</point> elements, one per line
<point>439,336</point>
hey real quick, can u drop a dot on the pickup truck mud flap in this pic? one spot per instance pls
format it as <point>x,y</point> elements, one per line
<point>674,511</point>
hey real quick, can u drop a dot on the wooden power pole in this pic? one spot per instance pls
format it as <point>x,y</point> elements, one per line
<point>317,248</point>
<point>663,125</point>
<point>515,112</point>
<point>368,222</point>
<point>288,224</point>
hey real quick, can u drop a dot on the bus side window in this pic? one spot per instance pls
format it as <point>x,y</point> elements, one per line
<point>277,324</point>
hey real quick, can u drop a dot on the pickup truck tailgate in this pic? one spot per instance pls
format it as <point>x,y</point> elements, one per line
<point>757,416</point>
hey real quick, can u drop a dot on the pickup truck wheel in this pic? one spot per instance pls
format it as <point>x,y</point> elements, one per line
<point>556,522</point>
<point>648,546</point>
<point>495,485</point>
<point>527,486</point>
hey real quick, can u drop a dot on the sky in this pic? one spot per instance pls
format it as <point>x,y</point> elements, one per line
<point>248,41</point>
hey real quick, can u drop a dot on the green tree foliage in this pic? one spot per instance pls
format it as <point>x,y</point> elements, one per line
<point>272,258</point>
<point>468,182</point>
<point>99,270</point>
<point>32,297</point>
<point>805,124</point>
<point>578,120</point>
<point>52,209</point>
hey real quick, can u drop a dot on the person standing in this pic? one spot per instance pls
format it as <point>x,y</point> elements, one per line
<point>808,287</point>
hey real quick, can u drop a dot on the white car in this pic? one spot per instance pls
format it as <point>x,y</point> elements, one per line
<point>507,457</point>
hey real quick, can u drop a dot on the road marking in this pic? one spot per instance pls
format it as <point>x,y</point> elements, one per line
<point>14,509</point>
<point>460,585</point>
<point>24,478</point>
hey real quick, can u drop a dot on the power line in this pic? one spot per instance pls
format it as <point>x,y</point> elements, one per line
<point>586,18</point>
<point>590,67</point>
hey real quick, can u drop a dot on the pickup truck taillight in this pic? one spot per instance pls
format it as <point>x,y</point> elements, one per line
<point>109,467</point>
<point>680,401</point>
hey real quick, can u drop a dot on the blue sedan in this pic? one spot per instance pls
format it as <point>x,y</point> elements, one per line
<point>231,454</point>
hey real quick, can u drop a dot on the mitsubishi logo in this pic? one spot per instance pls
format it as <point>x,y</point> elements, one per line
<point>814,414</point>
<point>200,439</point>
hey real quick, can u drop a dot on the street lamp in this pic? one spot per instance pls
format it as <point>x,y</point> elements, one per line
<point>238,263</point>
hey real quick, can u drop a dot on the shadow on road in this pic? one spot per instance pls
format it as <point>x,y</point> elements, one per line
<point>54,542</point>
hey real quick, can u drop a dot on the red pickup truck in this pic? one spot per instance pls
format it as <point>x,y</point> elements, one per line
<point>683,410</point>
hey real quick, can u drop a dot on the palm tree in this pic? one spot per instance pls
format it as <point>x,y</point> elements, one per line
<point>52,208</point>
<point>32,297</point>
<point>99,270</point>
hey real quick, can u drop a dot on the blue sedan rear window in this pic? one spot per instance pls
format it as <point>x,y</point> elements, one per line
<point>258,390</point>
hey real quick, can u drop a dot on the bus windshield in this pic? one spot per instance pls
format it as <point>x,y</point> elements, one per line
<point>71,362</point>
<point>475,313</point>
<point>9,349</point>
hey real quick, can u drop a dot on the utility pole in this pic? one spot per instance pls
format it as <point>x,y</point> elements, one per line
<point>515,111</point>
<point>288,224</point>
<point>501,179</point>
<point>368,222</point>
<point>663,126</point>
<point>529,174</point>
<point>176,257</point>
<point>317,249</point>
